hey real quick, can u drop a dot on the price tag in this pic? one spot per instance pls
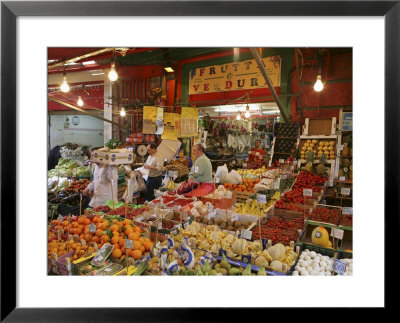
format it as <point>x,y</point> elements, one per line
<point>281,161</point>
<point>347,210</point>
<point>284,176</point>
<point>307,192</point>
<point>246,259</point>
<point>295,162</point>
<point>345,191</point>
<point>340,267</point>
<point>60,218</point>
<point>217,180</point>
<point>276,185</point>
<point>340,147</point>
<point>159,225</point>
<point>245,234</point>
<point>261,198</point>
<point>92,228</point>
<point>174,231</point>
<point>128,244</point>
<point>173,173</point>
<point>337,233</point>
<point>342,178</point>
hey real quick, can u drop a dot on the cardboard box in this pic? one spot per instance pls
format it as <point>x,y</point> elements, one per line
<point>111,158</point>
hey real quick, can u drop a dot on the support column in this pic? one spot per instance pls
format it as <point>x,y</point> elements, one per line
<point>107,110</point>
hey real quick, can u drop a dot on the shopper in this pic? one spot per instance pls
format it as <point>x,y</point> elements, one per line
<point>105,177</point>
<point>201,171</point>
<point>155,166</point>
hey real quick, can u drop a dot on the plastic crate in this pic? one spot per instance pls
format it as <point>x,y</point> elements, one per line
<point>73,210</point>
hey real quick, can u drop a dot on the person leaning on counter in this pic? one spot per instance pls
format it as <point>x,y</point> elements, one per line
<point>155,166</point>
<point>201,171</point>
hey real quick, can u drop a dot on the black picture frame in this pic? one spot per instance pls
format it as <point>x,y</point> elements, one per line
<point>10,10</point>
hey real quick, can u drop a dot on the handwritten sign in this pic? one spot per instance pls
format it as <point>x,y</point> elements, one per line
<point>60,218</point>
<point>342,178</point>
<point>92,228</point>
<point>307,192</point>
<point>128,244</point>
<point>337,233</point>
<point>347,210</point>
<point>345,191</point>
<point>340,267</point>
<point>246,234</point>
<point>261,198</point>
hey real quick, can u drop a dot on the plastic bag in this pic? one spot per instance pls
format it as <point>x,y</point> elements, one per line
<point>131,187</point>
<point>233,178</point>
<point>141,183</point>
<point>221,173</point>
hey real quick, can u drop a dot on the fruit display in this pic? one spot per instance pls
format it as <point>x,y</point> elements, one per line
<point>251,174</point>
<point>284,146</point>
<point>326,214</point>
<point>311,263</point>
<point>318,147</point>
<point>77,186</point>
<point>252,207</point>
<point>247,186</point>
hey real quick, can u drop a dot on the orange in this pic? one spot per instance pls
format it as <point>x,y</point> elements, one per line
<point>114,227</point>
<point>75,224</point>
<point>117,253</point>
<point>123,249</point>
<point>142,249</point>
<point>127,221</point>
<point>137,254</point>
<point>99,232</point>
<point>116,246</point>
<point>122,257</point>
<point>86,221</point>
<point>136,245</point>
<point>115,240</point>
<point>141,240</point>
<point>82,237</point>
<point>129,252</point>
<point>115,221</point>
<point>105,238</point>
<point>121,242</point>
<point>115,233</point>
<point>99,219</point>
<point>133,236</point>
<point>80,220</point>
<point>96,239</point>
<point>78,231</point>
<point>137,229</point>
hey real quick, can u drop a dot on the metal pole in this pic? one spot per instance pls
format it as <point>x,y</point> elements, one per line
<point>300,104</point>
<point>266,77</point>
<point>85,112</point>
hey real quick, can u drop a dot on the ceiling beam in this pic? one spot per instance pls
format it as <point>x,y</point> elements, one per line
<point>263,71</point>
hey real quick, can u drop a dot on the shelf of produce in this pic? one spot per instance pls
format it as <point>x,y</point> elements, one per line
<point>318,137</point>
<point>328,225</point>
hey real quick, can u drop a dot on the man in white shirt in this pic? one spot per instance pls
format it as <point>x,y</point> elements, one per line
<point>155,167</point>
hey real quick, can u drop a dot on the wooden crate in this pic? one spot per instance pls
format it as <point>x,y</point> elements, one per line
<point>242,196</point>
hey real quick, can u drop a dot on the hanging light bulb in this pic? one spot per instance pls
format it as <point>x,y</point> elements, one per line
<point>318,86</point>
<point>247,114</point>
<point>79,102</point>
<point>238,116</point>
<point>64,85</point>
<point>122,113</point>
<point>112,74</point>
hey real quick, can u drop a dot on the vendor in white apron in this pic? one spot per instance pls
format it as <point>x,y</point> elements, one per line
<point>104,177</point>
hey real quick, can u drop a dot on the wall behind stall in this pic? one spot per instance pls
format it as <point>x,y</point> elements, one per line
<point>89,132</point>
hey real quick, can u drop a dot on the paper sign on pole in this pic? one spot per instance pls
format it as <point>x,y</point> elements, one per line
<point>345,191</point>
<point>337,233</point>
<point>340,266</point>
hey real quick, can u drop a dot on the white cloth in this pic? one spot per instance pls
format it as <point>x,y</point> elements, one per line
<point>101,186</point>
